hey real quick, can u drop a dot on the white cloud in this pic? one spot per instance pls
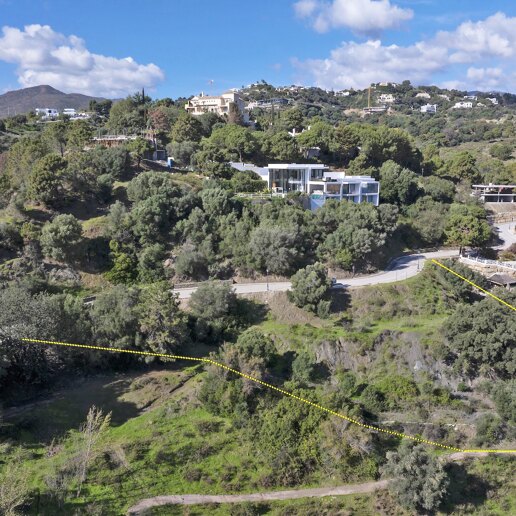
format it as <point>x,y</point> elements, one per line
<point>361,16</point>
<point>490,44</point>
<point>44,56</point>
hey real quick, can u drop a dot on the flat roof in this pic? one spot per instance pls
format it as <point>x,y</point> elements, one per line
<point>493,186</point>
<point>296,165</point>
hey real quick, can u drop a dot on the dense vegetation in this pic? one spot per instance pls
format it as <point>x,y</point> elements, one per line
<point>92,240</point>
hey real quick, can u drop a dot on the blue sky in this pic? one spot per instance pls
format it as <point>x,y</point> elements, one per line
<point>177,47</point>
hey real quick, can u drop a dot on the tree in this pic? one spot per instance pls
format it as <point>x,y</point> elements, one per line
<point>163,325</point>
<point>281,147</point>
<point>182,152</point>
<point>22,157</point>
<point>235,115</point>
<point>320,134</point>
<point>124,265</point>
<point>57,135</point>
<point>501,151</point>
<point>428,218</point>
<point>115,318</point>
<point>419,481</point>
<point>127,115</point>
<point>101,107</point>
<point>237,142</point>
<point>216,201</point>
<point>150,184</point>
<point>109,161</point>
<point>309,286</point>
<point>381,144</point>
<point>464,227</point>
<point>293,119</point>
<point>14,484</point>
<point>61,237</point>
<point>87,442</point>
<point>186,128</point>
<point>253,354</point>
<point>463,165</point>
<point>481,339</point>
<point>398,185</point>
<point>45,182</point>
<point>79,134</point>
<point>191,264</point>
<point>139,147</point>
<point>438,189</point>
<point>273,249</point>
<point>345,142</point>
<point>214,302</point>
<point>152,219</point>
<point>150,263</point>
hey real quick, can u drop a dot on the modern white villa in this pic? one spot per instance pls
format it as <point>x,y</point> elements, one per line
<point>463,105</point>
<point>47,113</point>
<point>429,108</point>
<point>494,193</point>
<point>316,181</point>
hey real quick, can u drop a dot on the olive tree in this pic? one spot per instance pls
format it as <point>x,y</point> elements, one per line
<point>309,286</point>
<point>61,237</point>
<point>419,481</point>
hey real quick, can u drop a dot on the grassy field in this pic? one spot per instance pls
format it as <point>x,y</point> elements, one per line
<point>163,441</point>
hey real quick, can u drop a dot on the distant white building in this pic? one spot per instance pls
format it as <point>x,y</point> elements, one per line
<point>387,98</point>
<point>429,108</point>
<point>47,113</point>
<point>445,97</point>
<point>374,109</point>
<point>471,97</point>
<point>463,105</point>
<point>343,93</point>
<point>220,105</point>
<point>317,182</point>
<point>493,101</point>
<point>266,104</point>
<point>423,95</point>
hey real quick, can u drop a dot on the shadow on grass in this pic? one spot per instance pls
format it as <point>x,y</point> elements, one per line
<point>45,420</point>
<point>340,300</point>
<point>251,312</point>
<point>465,489</point>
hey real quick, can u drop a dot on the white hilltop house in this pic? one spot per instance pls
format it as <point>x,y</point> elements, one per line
<point>463,105</point>
<point>423,95</point>
<point>429,108</point>
<point>387,98</point>
<point>316,181</point>
<point>493,100</point>
<point>47,113</point>
<point>219,105</point>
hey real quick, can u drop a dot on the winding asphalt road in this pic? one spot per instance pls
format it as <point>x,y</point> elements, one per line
<point>402,268</point>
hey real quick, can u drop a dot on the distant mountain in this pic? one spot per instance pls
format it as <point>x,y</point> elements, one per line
<point>28,99</point>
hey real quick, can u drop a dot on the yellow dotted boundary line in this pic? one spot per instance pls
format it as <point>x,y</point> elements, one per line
<point>474,284</point>
<point>268,385</point>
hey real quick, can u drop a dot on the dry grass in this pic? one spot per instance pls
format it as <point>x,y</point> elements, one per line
<point>284,311</point>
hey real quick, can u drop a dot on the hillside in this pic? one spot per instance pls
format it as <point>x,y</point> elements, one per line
<point>27,99</point>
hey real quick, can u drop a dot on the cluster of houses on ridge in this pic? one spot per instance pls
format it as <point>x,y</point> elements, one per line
<point>387,99</point>
<point>47,114</point>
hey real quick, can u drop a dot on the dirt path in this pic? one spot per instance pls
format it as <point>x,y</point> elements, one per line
<point>157,501</point>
